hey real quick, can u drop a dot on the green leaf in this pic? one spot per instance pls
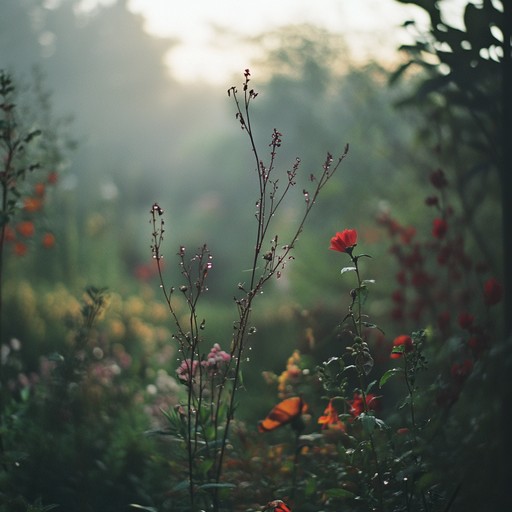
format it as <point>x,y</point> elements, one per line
<point>339,493</point>
<point>390,373</point>
<point>217,486</point>
<point>140,507</point>
<point>348,269</point>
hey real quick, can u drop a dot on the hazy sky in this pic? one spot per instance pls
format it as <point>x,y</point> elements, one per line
<point>209,49</point>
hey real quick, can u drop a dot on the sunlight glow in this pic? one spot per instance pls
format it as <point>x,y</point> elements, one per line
<point>209,33</point>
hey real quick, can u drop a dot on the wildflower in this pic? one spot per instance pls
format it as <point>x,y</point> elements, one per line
<point>48,240</point>
<point>216,357</point>
<point>398,297</point>
<point>53,177</point>
<point>439,228</point>
<point>344,241</point>
<point>39,189</point>
<point>26,228</point>
<point>402,431</point>
<point>9,234</point>
<point>438,179</point>
<point>357,404</point>
<point>277,506</point>
<point>461,371</point>
<point>493,292</point>
<point>466,320</point>
<point>404,342</point>
<point>330,418</point>
<point>187,370</point>
<point>32,204</point>
<point>20,249</point>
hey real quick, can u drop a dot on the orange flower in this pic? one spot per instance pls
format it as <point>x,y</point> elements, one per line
<point>32,204</point>
<point>26,228</point>
<point>330,417</point>
<point>39,189</point>
<point>48,240</point>
<point>20,249</point>
<point>277,506</point>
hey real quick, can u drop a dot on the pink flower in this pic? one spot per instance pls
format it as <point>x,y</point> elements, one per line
<point>344,241</point>
<point>187,370</point>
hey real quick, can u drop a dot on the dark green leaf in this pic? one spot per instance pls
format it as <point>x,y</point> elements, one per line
<point>390,373</point>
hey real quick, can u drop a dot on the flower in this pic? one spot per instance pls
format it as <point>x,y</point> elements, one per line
<point>20,249</point>
<point>439,228</point>
<point>438,179</point>
<point>460,371</point>
<point>39,189</point>
<point>216,357</point>
<point>493,292</point>
<point>344,241</point>
<point>357,404</point>
<point>330,418</point>
<point>32,204</point>
<point>26,228</point>
<point>48,240</point>
<point>404,342</point>
<point>187,370</point>
<point>466,320</point>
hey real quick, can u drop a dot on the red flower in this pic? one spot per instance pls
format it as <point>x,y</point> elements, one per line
<point>493,292</point>
<point>9,234</point>
<point>398,297</point>
<point>401,341</point>
<point>32,204</point>
<point>357,404</point>
<point>460,371</point>
<point>53,177</point>
<point>344,241</point>
<point>39,189</point>
<point>438,179</point>
<point>330,417</point>
<point>439,228</point>
<point>466,320</point>
<point>48,240</point>
<point>20,249</point>
<point>25,228</point>
<point>443,320</point>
